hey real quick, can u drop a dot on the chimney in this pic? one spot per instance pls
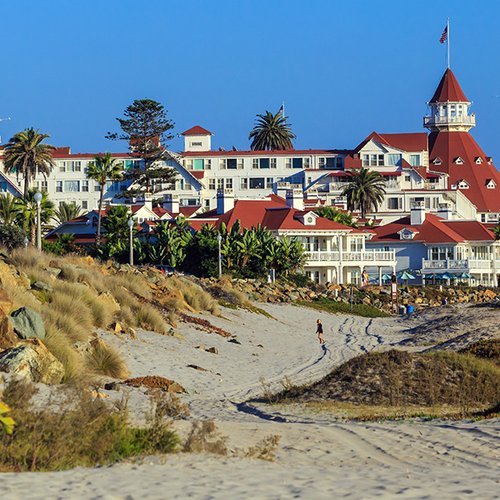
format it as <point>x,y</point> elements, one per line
<point>417,213</point>
<point>444,211</point>
<point>225,201</point>
<point>171,203</point>
<point>295,199</point>
<point>146,200</point>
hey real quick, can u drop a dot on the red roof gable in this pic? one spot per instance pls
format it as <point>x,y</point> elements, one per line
<point>414,141</point>
<point>434,230</point>
<point>449,89</point>
<point>450,145</point>
<point>196,130</point>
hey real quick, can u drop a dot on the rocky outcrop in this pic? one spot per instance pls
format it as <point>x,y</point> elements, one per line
<point>27,323</point>
<point>31,359</point>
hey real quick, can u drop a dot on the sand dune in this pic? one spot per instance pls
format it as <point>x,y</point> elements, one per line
<point>317,457</point>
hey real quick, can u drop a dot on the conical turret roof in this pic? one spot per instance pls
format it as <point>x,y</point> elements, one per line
<point>449,89</point>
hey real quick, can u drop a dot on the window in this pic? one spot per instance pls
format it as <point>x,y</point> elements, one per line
<point>393,160</point>
<point>198,164</point>
<point>407,178</point>
<point>240,163</point>
<point>441,253</point>
<point>196,144</point>
<point>189,165</point>
<point>208,164</point>
<point>85,186</point>
<point>72,186</point>
<point>373,160</point>
<point>415,160</point>
<point>257,183</point>
<point>297,163</point>
<point>437,161</point>
<point>288,163</point>
<point>220,183</point>
<point>97,187</point>
<point>459,161</point>
<point>356,244</point>
<point>85,205</point>
<point>222,163</point>
<point>244,183</point>
<point>78,166</point>
<point>231,163</point>
<point>490,184</point>
<point>211,184</point>
<point>479,160</point>
<point>62,166</point>
<point>59,186</point>
<point>264,163</point>
<point>269,182</point>
<point>255,163</point>
<point>463,184</point>
<point>273,162</point>
<point>394,203</point>
<point>307,163</point>
<point>229,183</point>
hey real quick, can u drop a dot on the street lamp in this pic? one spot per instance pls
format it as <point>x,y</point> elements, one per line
<point>219,240</point>
<point>131,243</point>
<point>38,200</point>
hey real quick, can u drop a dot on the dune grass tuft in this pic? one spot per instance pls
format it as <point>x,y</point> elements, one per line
<point>102,359</point>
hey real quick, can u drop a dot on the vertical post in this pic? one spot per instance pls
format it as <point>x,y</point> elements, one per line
<point>219,240</point>
<point>38,200</point>
<point>131,241</point>
<point>448,41</point>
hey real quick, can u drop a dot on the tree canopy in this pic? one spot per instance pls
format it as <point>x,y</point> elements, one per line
<point>271,131</point>
<point>147,129</point>
<point>365,191</point>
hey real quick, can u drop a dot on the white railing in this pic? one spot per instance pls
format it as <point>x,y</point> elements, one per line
<point>445,264</point>
<point>366,256</point>
<point>445,120</point>
<point>480,264</point>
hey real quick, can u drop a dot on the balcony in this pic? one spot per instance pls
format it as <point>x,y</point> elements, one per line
<point>445,265</point>
<point>353,257</point>
<point>450,120</point>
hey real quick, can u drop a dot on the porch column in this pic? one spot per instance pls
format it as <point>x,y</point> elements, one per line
<point>379,275</point>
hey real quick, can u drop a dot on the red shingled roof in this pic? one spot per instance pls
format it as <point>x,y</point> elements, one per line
<point>449,89</point>
<point>434,230</point>
<point>196,130</point>
<point>414,141</point>
<point>450,145</point>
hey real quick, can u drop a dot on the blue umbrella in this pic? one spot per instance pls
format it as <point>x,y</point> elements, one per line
<point>447,276</point>
<point>405,275</point>
<point>464,276</point>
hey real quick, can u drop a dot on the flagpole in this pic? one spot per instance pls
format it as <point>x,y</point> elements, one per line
<point>448,30</point>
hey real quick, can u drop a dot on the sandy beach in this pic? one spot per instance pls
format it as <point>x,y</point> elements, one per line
<point>317,457</point>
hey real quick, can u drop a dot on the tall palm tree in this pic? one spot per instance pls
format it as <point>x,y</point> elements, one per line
<point>271,132</point>
<point>104,168</point>
<point>27,216</point>
<point>10,208</point>
<point>365,191</point>
<point>25,154</point>
<point>67,212</point>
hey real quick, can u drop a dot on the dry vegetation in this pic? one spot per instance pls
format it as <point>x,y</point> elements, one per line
<point>399,379</point>
<point>75,296</point>
<point>83,432</point>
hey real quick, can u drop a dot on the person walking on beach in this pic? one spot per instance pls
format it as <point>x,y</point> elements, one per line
<point>319,331</point>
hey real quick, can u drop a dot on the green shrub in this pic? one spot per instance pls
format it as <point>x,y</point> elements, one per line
<point>11,236</point>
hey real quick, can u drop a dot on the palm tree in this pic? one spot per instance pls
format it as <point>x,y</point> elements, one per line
<point>365,191</point>
<point>67,212</point>
<point>10,209</point>
<point>104,168</point>
<point>25,154</point>
<point>28,211</point>
<point>271,132</point>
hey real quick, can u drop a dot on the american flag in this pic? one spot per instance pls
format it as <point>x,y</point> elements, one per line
<point>444,36</point>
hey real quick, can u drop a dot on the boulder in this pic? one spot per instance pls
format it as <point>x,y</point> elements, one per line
<point>42,286</point>
<point>5,302</point>
<point>31,359</point>
<point>27,323</point>
<point>7,336</point>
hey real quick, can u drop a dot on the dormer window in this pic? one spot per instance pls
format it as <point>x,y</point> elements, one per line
<point>437,161</point>
<point>489,159</point>
<point>458,161</point>
<point>309,220</point>
<point>490,184</point>
<point>406,234</point>
<point>463,184</point>
<point>479,160</point>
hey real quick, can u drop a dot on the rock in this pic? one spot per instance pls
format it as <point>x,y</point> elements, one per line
<point>31,359</point>
<point>196,367</point>
<point>7,336</point>
<point>53,271</point>
<point>489,294</point>
<point>117,327</point>
<point>27,323</point>
<point>41,285</point>
<point>5,302</point>
<point>212,350</point>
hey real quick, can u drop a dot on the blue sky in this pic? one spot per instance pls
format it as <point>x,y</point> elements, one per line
<point>343,68</point>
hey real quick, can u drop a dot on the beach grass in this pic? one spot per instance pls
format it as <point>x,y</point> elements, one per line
<point>338,307</point>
